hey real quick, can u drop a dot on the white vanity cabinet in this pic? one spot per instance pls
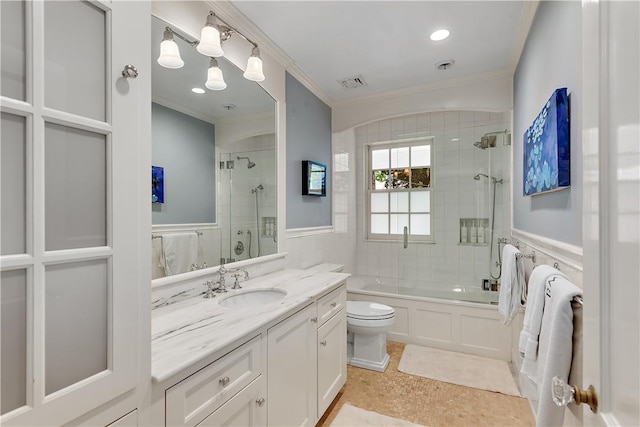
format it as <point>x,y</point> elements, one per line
<point>291,370</point>
<point>221,384</point>
<point>285,373</point>
<point>307,361</point>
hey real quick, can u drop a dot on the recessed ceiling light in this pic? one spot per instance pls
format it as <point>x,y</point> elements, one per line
<point>197,90</point>
<point>439,35</point>
<point>455,139</point>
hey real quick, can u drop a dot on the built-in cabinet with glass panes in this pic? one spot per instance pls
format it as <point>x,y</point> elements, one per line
<point>72,207</point>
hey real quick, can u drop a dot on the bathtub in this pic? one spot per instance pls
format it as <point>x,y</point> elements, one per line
<point>456,318</point>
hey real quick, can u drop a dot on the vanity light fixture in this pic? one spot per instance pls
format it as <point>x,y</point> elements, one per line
<point>254,66</point>
<point>215,80</point>
<point>438,35</point>
<point>198,90</point>
<point>210,38</point>
<point>210,44</point>
<point>169,52</point>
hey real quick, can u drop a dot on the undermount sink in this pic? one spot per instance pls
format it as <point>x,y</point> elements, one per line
<point>253,298</point>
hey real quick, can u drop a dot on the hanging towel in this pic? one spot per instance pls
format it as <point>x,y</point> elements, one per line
<point>528,343</point>
<point>512,285</point>
<point>556,346</point>
<point>179,251</point>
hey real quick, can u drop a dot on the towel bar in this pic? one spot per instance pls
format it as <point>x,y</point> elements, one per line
<point>159,236</point>
<point>531,256</point>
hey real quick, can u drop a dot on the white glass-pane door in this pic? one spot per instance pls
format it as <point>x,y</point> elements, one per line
<point>13,209</point>
<point>13,341</point>
<point>76,299</point>
<point>13,49</point>
<point>75,58</point>
<point>73,207</point>
<point>75,188</point>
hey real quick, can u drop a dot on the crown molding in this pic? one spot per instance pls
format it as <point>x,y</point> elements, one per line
<point>234,17</point>
<point>428,87</point>
<point>182,109</point>
<point>524,25</point>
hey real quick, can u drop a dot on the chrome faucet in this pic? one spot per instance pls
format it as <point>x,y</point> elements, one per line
<point>236,275</point>
<point>221,281</point>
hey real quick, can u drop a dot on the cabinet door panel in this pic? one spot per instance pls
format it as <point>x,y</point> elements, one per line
<point>246,409</point>
<point>292,370</point>
<point>332,359</point>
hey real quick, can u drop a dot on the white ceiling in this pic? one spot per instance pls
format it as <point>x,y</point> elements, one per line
<point>388,41</point>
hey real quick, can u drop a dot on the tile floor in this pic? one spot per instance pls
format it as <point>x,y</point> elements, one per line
<point>425,401</point>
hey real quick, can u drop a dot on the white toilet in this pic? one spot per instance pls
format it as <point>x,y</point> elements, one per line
<point>367,327</point>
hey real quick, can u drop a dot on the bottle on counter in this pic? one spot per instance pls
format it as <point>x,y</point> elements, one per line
<point>463,233</point>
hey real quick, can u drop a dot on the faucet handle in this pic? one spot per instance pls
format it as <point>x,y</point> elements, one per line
<point>209,293</point>
<point>222,270</point>
<point>246,274</point>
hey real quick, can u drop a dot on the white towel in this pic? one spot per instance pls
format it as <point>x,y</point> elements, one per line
<point>556,347</point>
<point>512,284</point>
<point>528,343</point>
<point>179,251</point>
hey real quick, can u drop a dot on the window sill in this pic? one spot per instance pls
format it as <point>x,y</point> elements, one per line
<point>411,242</point>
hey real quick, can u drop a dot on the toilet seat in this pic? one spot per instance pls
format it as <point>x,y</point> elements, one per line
<point>362,310</point>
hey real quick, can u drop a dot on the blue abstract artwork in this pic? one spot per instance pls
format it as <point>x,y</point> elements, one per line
<point>157,184</point>
<point>546,147</point>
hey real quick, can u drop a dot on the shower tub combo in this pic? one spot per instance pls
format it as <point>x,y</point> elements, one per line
<point>462,319</point>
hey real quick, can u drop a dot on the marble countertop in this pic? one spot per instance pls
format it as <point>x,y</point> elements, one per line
<point>186,332</point>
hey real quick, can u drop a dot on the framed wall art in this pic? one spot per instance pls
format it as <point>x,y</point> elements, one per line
<point>546,153</point>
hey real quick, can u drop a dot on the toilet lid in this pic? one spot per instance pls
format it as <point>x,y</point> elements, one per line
<point>368,310</point>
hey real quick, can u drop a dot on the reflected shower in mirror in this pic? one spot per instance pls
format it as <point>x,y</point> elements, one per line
<point>217,151</point>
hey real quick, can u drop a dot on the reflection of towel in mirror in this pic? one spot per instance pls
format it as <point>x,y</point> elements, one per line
<point>528,343</point>
<point>556,347</point>
<point>179,251</point>
<point>512,285</point>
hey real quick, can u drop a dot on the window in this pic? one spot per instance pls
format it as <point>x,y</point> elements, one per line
<point>399,190</point>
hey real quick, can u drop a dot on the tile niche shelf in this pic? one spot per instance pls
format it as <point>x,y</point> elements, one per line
<point>467,225</point>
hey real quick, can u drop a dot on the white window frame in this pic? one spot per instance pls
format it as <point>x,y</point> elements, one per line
<point>389,237</point>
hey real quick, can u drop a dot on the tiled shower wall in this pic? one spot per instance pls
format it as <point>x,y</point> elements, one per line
<point>455,195</point>
<point>237,202</point>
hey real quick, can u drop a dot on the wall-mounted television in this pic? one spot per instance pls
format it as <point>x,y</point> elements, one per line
<point>314,178</point>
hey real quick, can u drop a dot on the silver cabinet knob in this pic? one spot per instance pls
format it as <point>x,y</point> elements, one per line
<point>323,343</point>
<point>314,320</point>
<point>129,72</point>
<point>224,381</point>
<point>260,402</point>
<point>334,304</point>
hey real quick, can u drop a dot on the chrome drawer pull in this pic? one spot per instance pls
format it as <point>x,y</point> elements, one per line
<point>334,304</point>
<point>260,402</point>
<point>314,320</point>
<point>323,343</point>
<point>224,381</point>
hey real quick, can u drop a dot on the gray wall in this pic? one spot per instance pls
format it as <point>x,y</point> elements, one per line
<point>551,59</point>
<point>185,147</point>
<point>308,138</point>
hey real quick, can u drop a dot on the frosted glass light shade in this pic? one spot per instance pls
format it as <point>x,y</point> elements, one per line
<point>210,42</point>
<point>254,67</point>
<point>215,79</point>
<point>170,55</point>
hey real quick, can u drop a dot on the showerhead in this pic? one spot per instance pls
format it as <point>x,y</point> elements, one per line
<point>250,164</point>
<point>493,178</point>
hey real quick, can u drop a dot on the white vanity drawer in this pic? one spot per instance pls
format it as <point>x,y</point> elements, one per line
<point>194,398</point>
<point>331,303</point>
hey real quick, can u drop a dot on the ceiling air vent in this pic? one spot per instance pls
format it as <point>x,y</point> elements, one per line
<point>353,82</point>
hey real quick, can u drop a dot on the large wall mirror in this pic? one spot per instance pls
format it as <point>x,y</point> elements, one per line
<point>214,164</point>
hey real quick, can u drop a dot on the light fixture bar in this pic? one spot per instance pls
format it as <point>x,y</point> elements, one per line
<point>183,38</point>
